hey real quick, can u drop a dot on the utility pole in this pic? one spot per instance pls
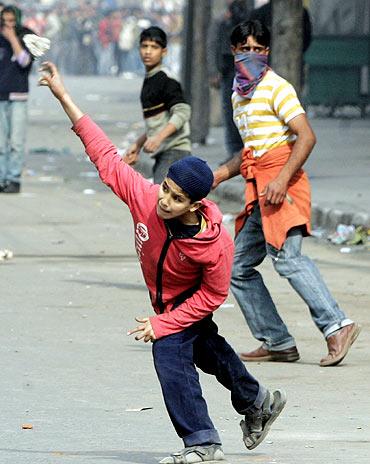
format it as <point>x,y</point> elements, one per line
<point>287,40</point>
<point>194,69</point>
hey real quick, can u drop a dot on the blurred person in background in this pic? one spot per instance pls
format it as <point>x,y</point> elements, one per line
<point>221,69</point>
<point>87,40</point>
<point>165,111</point>
<point>109,30</point>
<point>126,43</point>
<point>15,66</point>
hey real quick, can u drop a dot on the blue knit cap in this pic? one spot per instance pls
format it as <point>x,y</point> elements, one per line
<point>193,175</point>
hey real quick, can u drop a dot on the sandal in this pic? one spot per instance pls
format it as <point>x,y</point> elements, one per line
<point>193,454</point>
<point>256,426</point>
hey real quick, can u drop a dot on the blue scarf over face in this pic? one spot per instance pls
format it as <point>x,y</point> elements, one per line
<point>250,68</point>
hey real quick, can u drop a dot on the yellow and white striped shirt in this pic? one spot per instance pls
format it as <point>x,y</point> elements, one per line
<point>262,121</point>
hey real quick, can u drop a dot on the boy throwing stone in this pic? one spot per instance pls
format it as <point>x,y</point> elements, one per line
<point>186,257</point>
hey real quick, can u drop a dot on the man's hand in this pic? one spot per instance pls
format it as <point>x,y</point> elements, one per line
<point>152,144</point>
<point>217,179</point>
<point>145,328</point>
<point>50,77</point>
<point>275,192</point>
<point>9,33</point>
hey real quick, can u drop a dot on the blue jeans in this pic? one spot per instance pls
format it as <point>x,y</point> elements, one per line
<point>255,300</point>
<point>13,125</point>
<point>175,358</point>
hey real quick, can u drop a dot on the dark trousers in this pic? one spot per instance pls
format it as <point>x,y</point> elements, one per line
<point>175,358</point>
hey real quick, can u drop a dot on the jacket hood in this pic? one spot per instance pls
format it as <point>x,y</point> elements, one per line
<point>213,217</point>
<point>206,246</point>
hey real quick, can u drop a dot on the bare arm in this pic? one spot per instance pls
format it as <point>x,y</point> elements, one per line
<point>50,77</point>
<point>153,143</point>
<point>132,154</point>
<point>275,191</point>
<point>179,114</point>
<point>228,170</point>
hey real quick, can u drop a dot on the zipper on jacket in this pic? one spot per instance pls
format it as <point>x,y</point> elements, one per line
<point>159,282</point>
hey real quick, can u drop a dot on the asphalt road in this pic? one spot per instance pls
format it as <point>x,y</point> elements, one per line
<point>73,289</point>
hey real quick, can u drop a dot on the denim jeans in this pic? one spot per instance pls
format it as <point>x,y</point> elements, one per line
<point>175,357</point>
<point>163,161</point>
<point>255,300</point>
<point>233,140</point>
<point>13,125</point>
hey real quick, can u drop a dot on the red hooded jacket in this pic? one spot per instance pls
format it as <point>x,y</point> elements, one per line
<point>187,278</point>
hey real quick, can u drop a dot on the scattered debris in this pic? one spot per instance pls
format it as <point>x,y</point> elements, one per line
<point>343,234</point>
<point>319,233</point>
<point>5,255</point>
<point>27,426</point>
<point>50,179</point>
<point>345,250</point>
<point>349,235</point>
<point>144,408</point>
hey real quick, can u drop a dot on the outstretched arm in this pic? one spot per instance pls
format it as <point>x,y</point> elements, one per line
<point>50,77</point>
<point>127,184</point>
<point>228,170</point>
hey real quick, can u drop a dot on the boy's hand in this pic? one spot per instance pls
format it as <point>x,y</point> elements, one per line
<point>145,328</point>
<point>131,158</point>
<point>50,77</point>
<point>152,144</point>
<point>132,154</point>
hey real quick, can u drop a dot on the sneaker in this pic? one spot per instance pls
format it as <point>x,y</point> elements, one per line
<point>255,427</point>
<point>198,453</point>
<point>11,187</point>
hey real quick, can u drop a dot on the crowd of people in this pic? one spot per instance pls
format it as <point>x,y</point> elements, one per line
<point>92,37</point>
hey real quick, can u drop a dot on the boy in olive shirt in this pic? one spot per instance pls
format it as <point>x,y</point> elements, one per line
<point>166,114</point>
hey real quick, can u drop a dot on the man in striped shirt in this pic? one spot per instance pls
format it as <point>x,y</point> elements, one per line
<point>277,141</point>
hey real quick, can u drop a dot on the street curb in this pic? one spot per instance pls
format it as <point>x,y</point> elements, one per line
<point>321,216</point>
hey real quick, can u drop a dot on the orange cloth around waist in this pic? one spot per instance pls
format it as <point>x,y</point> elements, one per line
<point>277,220</point>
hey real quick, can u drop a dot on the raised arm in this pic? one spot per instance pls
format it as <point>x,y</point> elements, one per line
<point>126,183</point>
<point>50,77</point>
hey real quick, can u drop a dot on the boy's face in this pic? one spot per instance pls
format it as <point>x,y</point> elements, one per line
<point>173,202</point>
<point>151,53</point>
<point>250,45</point>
